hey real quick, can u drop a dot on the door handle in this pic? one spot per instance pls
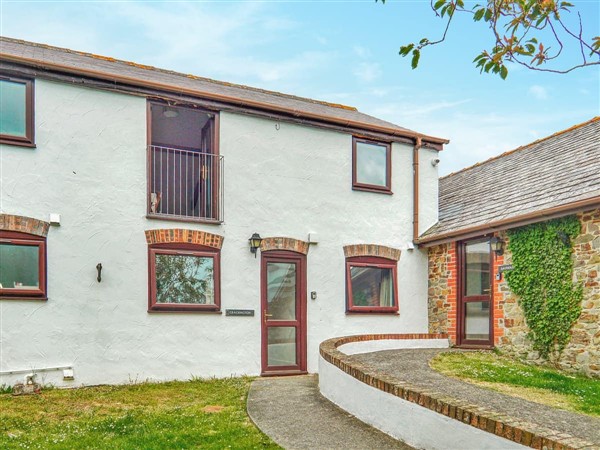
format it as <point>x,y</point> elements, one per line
<point>265,315</point>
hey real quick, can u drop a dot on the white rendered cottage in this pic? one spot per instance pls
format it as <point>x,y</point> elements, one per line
<point>128,198</point>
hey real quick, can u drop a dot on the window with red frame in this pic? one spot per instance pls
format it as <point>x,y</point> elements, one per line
<point>371,285</point>
<point>16,111</point>
<point>184,277</point>
<point>22,266</point>
<point>371,166</point>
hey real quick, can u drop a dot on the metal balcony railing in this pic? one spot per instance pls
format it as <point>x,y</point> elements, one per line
<point>185,184</point>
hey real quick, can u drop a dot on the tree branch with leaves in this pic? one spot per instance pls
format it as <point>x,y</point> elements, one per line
<point>531,33</point>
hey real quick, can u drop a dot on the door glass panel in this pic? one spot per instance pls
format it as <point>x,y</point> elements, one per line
<point>477,269</point>
<point>477,321</point>
<point>281,346</point>
<point>281,291</point>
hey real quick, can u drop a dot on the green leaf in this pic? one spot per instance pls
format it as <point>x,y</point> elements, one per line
<point>405,49</point>
<point>478,14</point>
<point>503,72</point>
<point>488,15</point>
<point>438,4</point>
<point>415,59</point>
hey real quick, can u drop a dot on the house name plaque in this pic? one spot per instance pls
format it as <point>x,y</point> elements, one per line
<point>239,312</point>
<point>505,267</point>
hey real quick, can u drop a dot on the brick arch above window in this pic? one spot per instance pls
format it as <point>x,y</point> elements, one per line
<point>183,236</point>
<point>375,250</point>
<point>284,243</point>
<point>23,224</point>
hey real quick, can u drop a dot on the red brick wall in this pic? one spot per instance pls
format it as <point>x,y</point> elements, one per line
<point>183,236</point>
<point>284,243</point>
<point>22,224</point>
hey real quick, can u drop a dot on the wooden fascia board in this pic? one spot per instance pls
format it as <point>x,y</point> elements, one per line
<point>219,97</point>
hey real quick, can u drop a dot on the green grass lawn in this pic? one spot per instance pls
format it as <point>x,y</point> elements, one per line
<point>194,414</point>
<point>543,385</point>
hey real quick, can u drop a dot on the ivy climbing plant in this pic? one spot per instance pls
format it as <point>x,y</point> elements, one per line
<point>542,278</point>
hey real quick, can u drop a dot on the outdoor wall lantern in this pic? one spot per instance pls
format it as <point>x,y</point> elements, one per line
<point>497,245</point>
<point>170,112</point>
<point>255,241</point>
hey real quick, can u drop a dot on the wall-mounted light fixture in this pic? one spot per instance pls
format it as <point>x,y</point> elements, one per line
<point>170,112</point>
<point>254,241</point>
<point>497,245</point>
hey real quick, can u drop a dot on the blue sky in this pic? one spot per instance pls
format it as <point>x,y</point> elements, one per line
<point>339,51</point>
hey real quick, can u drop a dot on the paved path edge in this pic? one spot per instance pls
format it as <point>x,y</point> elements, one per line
<point>528,434</point>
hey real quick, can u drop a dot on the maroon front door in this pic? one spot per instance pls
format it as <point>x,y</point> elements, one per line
<point>283,308</point>
<point>475,311</point>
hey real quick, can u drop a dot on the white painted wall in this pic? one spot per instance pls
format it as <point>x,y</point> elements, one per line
<point>417,426</point>
<point>90,166</point>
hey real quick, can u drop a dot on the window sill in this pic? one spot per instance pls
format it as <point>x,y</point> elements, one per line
<point>183,219</point>
<point>17,143</point>
<point>184,311</point>
<point>39,299</point>
<point>362,313</point>
<point>375,190</point>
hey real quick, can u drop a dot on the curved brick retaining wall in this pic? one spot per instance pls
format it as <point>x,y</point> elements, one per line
<point>421,418</point>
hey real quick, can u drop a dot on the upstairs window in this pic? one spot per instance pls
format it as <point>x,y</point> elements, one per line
<point>371,285</point>
<point>185,170</point>
<point>184,277</point>
<point>371,166</point>
<point>22,266</point>
<point>16,111</point>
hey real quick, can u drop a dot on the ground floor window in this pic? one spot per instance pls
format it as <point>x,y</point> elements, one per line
<point>184,277</point>
<point>22,265</point>
<point>371,285</point>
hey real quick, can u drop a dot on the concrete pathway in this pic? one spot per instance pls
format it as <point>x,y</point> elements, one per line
<point>292,412</point>
<point>412,366</point>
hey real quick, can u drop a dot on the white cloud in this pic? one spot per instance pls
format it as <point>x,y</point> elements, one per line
<point>475,135</point>
<point>538,92</point>
<point>406,110</point>
<point>224,42</point>
<point>367,72</point>
<point>361,51</point>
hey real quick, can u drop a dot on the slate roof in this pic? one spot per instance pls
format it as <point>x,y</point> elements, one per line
<point>110,68</point>
<point>552,172</point>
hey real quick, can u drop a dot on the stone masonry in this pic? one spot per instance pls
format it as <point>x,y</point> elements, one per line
<point>582,353</point>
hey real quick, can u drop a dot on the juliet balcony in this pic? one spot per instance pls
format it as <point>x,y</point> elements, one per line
<point>185,184</point>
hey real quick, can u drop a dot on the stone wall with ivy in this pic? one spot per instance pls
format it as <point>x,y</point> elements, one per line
<point>582,351</point>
